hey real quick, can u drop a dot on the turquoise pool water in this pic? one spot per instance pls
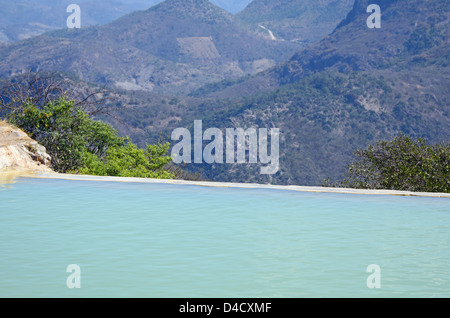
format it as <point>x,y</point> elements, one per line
<point>161,240</point>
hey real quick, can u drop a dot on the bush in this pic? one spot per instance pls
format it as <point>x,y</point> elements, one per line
<point>423,38</point>
<point>130,161</point>
<point>79,144</point>
<point>401,164</point>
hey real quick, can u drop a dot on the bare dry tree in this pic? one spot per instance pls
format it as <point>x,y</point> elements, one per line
<point>29,88</point>
<point>39,89</point>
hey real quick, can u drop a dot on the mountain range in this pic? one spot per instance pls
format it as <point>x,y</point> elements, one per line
<point>356,86</point>
<point>28,18</point>
<point>173,47</point>
<point>181,61</point>
<point>414,38</point>
<point>19,21</point>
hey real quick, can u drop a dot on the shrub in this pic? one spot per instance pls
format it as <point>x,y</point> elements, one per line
<point>403,163</point>
<point>79,144</point>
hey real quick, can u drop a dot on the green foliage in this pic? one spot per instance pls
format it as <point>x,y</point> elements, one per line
<point>423,38</point>
<point>80,144</point>
<point>66,132</point>
<point>130,161</point>
<point>401,164</point>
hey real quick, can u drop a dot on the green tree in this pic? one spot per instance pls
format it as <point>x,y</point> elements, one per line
<point>130,161</point>
<point>66,131</point>
<point>79,144</point>
<point>403,163</point>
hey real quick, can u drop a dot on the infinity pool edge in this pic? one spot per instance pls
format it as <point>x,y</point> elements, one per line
<point>45,175</point>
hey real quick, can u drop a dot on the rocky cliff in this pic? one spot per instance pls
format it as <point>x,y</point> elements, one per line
<point>18,152</point>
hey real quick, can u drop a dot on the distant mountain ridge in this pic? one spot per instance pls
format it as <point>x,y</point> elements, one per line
<point>27,18</point>
<point>407,38</point>
<point>173,47</point>
<point>356,86</point>
<point>303,21</point>
<point>409,28</point>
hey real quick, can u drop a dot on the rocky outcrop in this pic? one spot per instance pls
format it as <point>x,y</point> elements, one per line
<point>18,152</point>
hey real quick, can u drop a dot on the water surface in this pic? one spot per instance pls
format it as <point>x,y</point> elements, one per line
<point>162,240</point>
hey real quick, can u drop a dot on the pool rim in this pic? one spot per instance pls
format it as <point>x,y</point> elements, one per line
<point>313,189</point>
